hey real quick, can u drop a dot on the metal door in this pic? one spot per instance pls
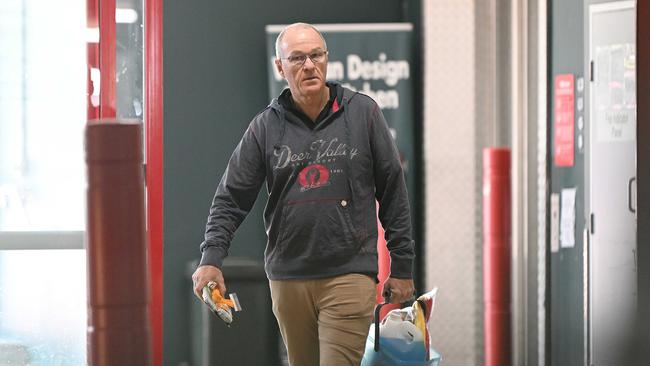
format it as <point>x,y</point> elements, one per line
<point>610,180</point>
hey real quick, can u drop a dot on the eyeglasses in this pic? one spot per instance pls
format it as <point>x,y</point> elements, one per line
<point>299,59</point>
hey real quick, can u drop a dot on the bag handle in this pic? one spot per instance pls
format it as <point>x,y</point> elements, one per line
<point>387,294</point>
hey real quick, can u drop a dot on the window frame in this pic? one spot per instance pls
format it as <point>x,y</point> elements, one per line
<point>42,240</point>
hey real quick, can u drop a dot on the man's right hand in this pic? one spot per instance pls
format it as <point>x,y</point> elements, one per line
<point>205,274</point>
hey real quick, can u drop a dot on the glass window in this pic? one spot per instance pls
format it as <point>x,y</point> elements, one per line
<point>43,307</point>
<point>129,59</point>
<point>42,115</point>
<point>42,182</point>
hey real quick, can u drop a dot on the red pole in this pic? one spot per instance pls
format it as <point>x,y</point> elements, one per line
<point>496,255</point>
<point>118,323</point>
<point>383,268</point>
<point>153,69</point>
<point>383,262</point>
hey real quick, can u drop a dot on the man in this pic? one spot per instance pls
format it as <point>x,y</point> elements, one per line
<point>326,154</point>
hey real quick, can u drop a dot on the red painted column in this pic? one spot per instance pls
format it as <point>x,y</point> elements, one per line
<point>153,74</point>
<point>383,262</point>
<point>383,267</point>
<point>496,255</point>
<point>118,322</point>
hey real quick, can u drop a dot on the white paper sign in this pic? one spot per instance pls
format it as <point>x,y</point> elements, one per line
<point>568,218</point>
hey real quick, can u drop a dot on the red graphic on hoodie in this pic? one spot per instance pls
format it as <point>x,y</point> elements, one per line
<point>313,176</point>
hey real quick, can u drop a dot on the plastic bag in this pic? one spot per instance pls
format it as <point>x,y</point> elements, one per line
<point>404,337</point>
<point>411,323</point>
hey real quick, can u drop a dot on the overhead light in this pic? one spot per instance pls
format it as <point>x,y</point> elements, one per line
<point>125,15</point>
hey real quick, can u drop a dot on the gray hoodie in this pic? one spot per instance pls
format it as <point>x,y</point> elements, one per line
<point>323,182</point>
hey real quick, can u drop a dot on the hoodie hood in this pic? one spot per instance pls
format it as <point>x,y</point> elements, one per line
<point>283,101</point>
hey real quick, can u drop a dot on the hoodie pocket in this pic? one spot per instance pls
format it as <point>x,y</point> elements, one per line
<point>319,229</point>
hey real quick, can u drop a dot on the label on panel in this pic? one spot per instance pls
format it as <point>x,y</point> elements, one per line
<point>568,218</point>
<point>564,97</point>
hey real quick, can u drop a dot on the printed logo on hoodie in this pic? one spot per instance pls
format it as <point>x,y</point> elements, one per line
<point>320,150</point>
<point>313,176</point>
<point>319,162</point>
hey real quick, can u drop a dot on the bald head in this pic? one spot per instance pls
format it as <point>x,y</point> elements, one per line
<point>292,27</point>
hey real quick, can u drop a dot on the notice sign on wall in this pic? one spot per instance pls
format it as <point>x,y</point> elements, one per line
<point>615,93</point>
<point>563,138</point>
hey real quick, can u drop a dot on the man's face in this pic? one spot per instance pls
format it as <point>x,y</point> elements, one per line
<point>309,78</point>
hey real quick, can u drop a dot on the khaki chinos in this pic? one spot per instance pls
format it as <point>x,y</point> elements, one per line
<point>324,322</point>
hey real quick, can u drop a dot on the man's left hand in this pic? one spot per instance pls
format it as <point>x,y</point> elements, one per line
<point>401,290</point>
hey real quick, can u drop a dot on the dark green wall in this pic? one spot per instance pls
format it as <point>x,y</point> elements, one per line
<point>566,266</point>
<point>214,83</point>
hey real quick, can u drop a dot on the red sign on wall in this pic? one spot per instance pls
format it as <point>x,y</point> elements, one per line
<point>564,120</point>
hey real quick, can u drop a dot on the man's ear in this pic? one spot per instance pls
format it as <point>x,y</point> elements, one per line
<point>278,65</point>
